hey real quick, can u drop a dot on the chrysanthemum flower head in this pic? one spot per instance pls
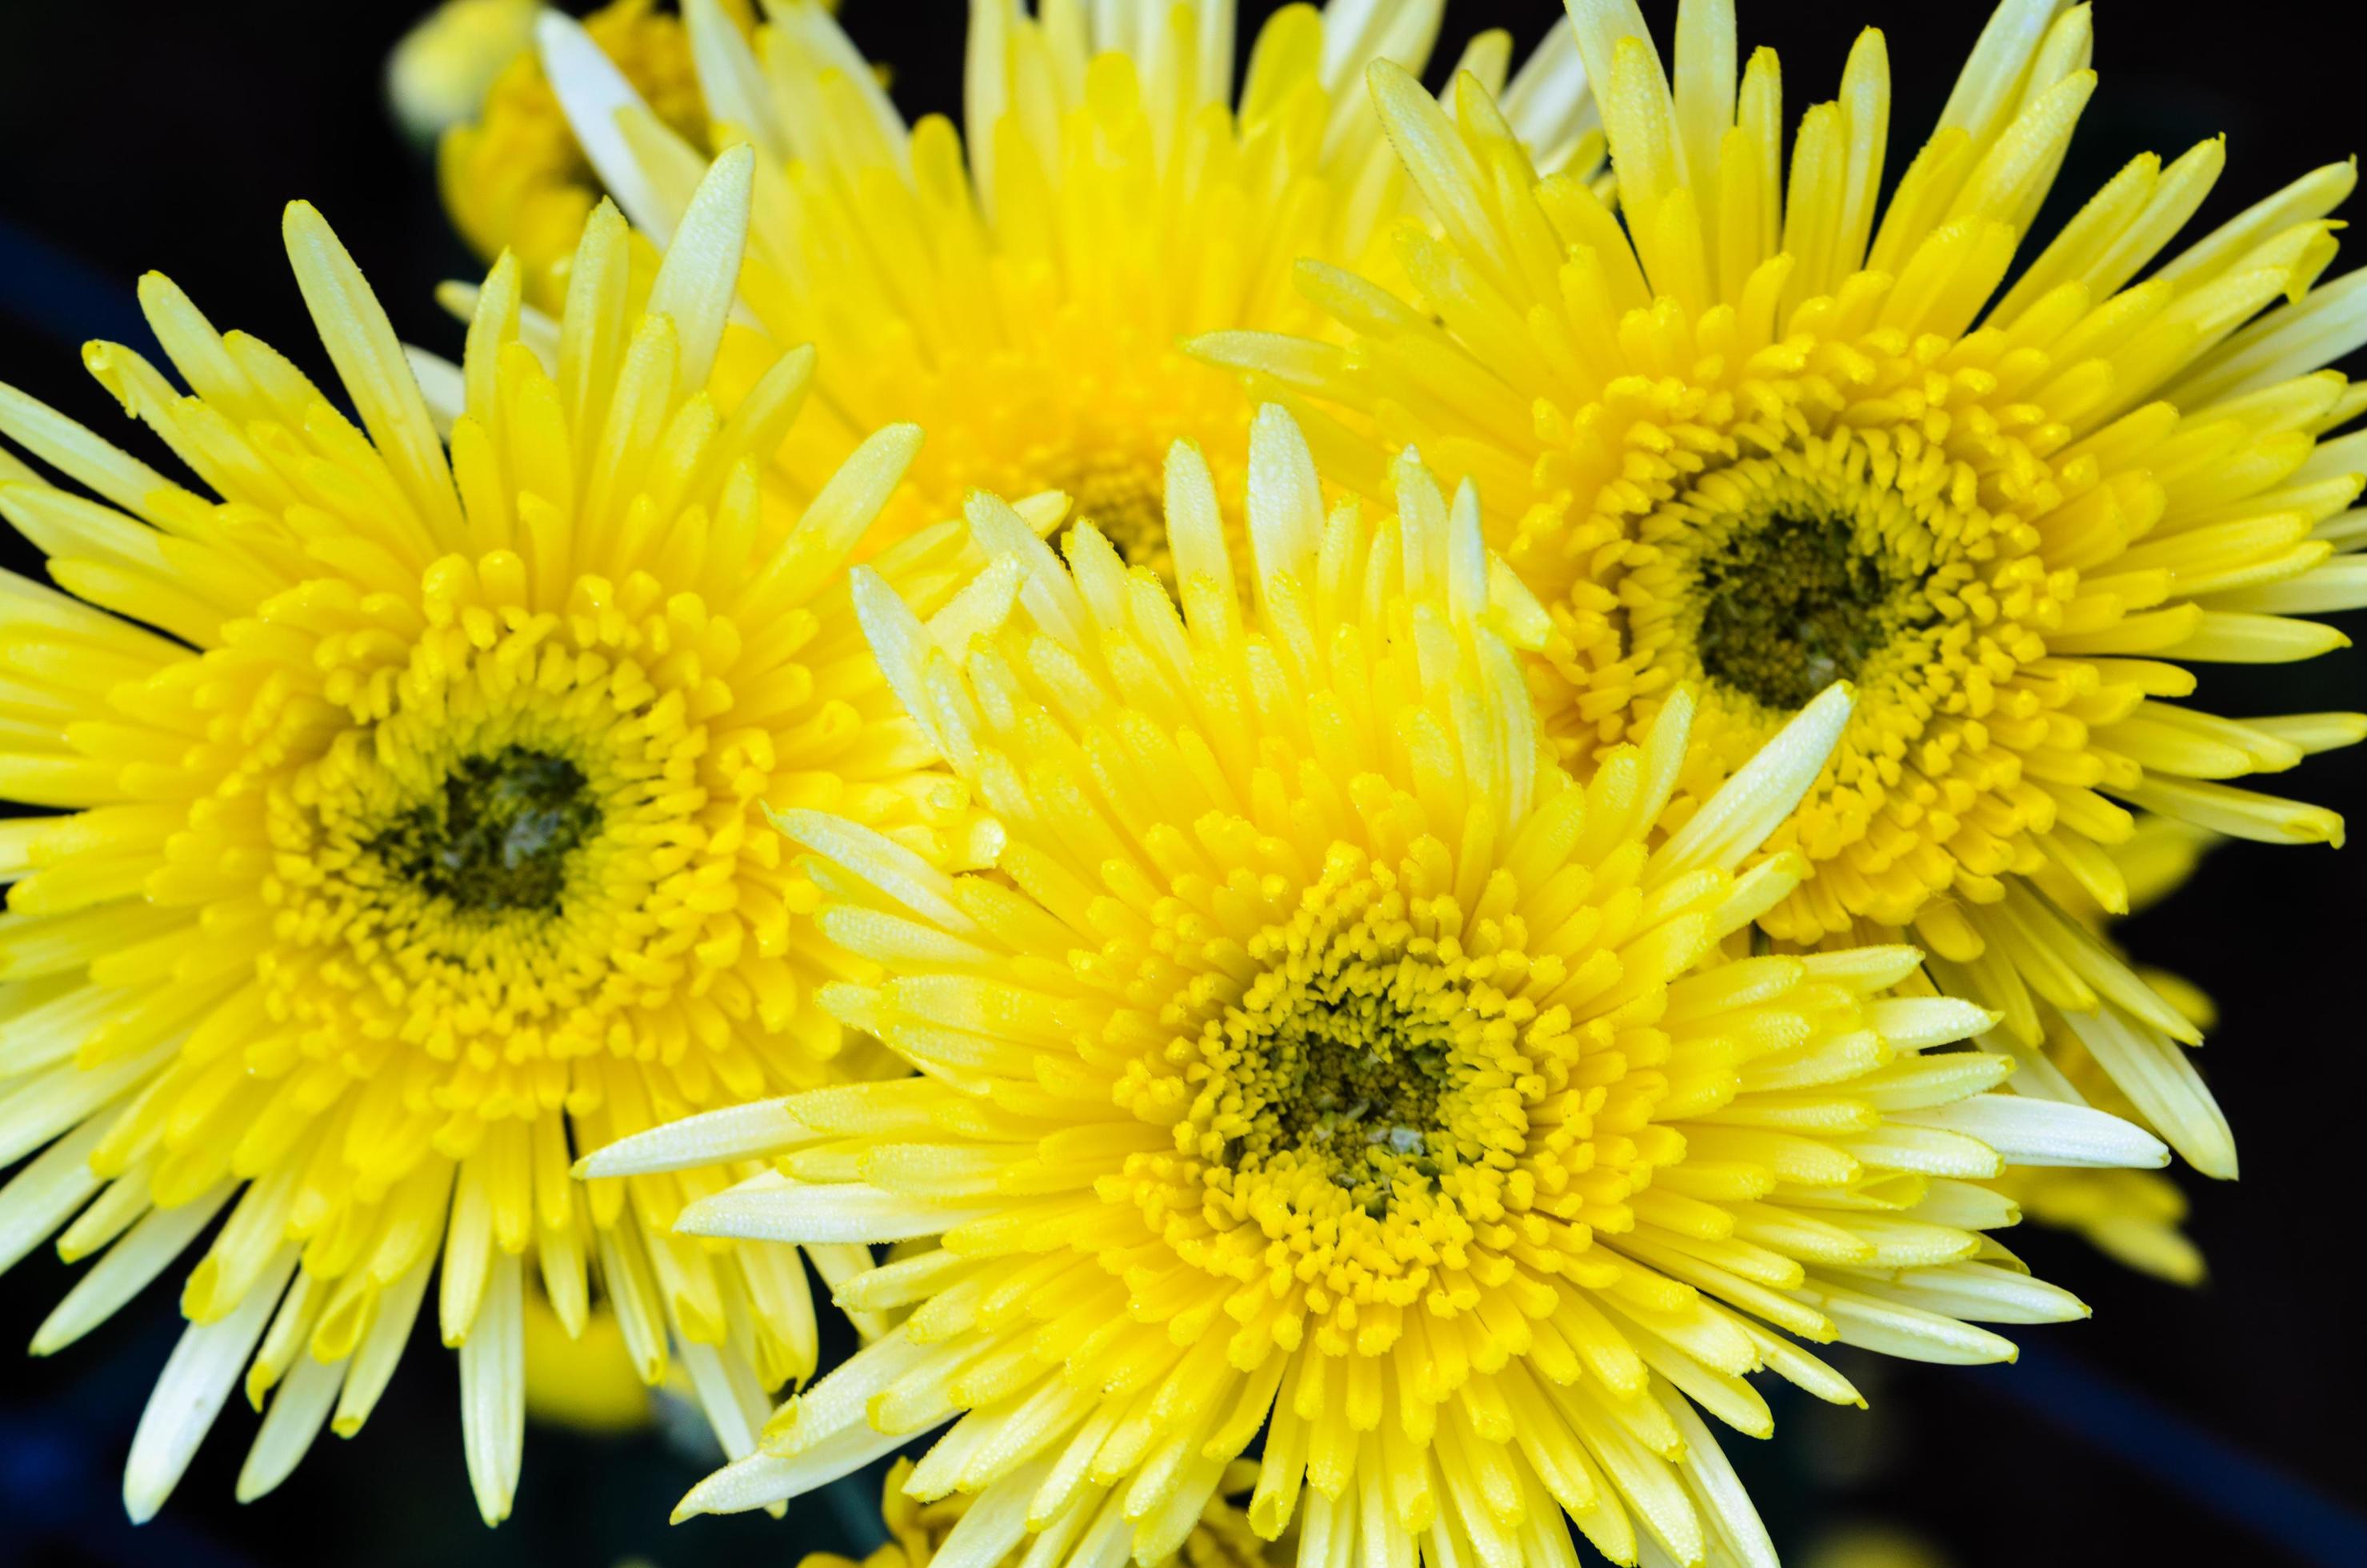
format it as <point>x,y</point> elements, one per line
<point>1020,287</point>
<point>407,834</point>
<point>1758,433</point>
<point>1329,1063</point>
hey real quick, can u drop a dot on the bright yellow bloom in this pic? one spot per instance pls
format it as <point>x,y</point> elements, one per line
<point>1328,1061</point>
<point>412,839</point>
<point>514,179</point>
<point>1022,299</point>
<point>917,1531</point>
<point>1751,437</point>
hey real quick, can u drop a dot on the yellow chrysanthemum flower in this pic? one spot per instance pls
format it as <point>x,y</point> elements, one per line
<point>514,179</point>
<point>409,837</point>
<point>1328,1061</point>
<point>1022,298</point>
<point>918,1531</point>
<point>1747,439</point>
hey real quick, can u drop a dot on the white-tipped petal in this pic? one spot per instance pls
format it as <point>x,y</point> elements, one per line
<point>372,1364</point>
<point>772,1208</point>
<point>880,862</point>
<point>736,1133</point>
<point>2158,1076</point>
<point>298,1410</point>
<point>981,608</point>
<point>192,1390</point>
<point>1195,535</point>
<point>899,643</point>
<point>1716,1483</point>
<point>592,92</point>
<point>1917,1023</point>
<point>492,1392</point>
<point>1980,1293</point>
<point>1965,1206</point>
<point>728,1394</point>
<point>729,78</point>
<point>1049,593</point>
<point>45,1194</point>
<point>1467,555</point>
<point>701,270</point>
<point>126,1268</point>
<point>762,1478</point>
<point>1434,156</point>
<point>2030,1131</point>
<point>34,1111</point>
<point>996,1523</point>
<point>1733,822</point>
<point>1664,751</point>
<point>1422,517</point>
<point>1761,889</point>
<point>1286,503</point>
<point>1549,102</point>
<point>850,499</point>
<point>812,32</point>
<point>1043,512</point>
<point>842,1397</point>
<point>1910,1333</point>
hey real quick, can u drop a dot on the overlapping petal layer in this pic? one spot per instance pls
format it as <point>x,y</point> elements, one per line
<point>1020,287</point>
<point>1758,431</point>
<point>1326,1063</point>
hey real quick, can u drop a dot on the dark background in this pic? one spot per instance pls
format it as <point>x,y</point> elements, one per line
<point>2217,1424</point>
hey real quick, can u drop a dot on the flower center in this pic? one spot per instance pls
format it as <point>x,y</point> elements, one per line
<point>1345,1068</point>
<point>1769,579</point>
<point>1354,1083</point>
<point>517,843</point>
<point>1368,1062</point>
<point>500,836</point>
<point>1124,499</point>
<point>1790,604</point>
<point>1800,589</point>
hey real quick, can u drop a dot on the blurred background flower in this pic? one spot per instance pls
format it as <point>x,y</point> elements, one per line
<point>440,73</point>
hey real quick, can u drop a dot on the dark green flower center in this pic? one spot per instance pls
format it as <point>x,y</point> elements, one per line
<point>1354,1090</point>
<point>500,834</point>
<point>1354,1079</point>
<point>1793,601</point>
<point>1126,503</point>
